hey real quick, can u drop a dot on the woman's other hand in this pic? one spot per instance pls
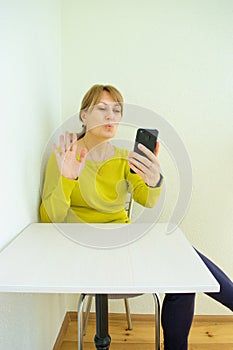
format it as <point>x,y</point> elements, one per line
<point>66,155</point>
<point>148,167</point>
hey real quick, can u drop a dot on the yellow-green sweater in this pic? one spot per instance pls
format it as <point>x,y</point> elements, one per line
<point>98,195</point>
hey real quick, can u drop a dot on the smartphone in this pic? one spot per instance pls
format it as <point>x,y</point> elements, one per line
<point>148,138</point>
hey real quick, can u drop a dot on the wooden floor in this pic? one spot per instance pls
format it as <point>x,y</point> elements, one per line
<point>207,333</point>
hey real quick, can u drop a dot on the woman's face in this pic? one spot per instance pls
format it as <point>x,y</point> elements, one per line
<point>102,120</point>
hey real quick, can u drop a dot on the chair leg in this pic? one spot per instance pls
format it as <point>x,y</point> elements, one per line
<point>87,313</point>
<point>127,310</point>
<point>80,323</point>
<point>157,321</point>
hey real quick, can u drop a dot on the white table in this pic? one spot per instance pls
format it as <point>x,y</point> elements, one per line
<point>43,260</point>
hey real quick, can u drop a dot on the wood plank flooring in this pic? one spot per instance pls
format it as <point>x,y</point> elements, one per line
<point>207,333</point>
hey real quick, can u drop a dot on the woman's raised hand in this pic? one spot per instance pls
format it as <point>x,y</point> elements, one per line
<point>148,166</point>
<point>68,164</point>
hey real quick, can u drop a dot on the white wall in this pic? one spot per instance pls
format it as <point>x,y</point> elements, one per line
<point>174,57</point>
<point>30,92</point>
<point>30,110</point>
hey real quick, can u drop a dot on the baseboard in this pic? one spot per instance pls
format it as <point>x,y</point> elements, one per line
<point>72,316</point>
<point>150,317</point>
<point>213,318</point>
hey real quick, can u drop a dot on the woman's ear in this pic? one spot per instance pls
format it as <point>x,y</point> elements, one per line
<point>83,117</point>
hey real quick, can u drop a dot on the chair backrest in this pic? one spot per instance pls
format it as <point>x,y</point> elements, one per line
<point>129,205</point>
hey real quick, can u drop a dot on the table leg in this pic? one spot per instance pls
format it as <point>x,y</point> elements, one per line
<point>102,338</point>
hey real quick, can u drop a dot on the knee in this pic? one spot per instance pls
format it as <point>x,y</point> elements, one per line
<point>225,295</point>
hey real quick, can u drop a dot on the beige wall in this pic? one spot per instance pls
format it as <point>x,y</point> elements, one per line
<point>174,57</point>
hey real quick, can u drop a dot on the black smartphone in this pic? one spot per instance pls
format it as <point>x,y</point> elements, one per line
<point>148,138</point>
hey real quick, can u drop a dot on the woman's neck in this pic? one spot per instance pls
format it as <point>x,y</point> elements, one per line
<point>94,143</point>
<point>98,149</point>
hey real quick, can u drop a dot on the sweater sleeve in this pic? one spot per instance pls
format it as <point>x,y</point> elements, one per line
<point>56,194</point>
<point>143,194</point>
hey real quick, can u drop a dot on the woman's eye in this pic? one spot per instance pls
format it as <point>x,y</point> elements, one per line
<point>101,108</point>
<point>117,111</point>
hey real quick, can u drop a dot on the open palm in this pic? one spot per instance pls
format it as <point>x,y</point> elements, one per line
<point>66,155</point>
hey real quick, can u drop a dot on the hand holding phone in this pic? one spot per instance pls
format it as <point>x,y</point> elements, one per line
<point>146,137</point>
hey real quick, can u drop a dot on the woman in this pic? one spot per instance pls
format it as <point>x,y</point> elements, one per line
<point>87,180</point>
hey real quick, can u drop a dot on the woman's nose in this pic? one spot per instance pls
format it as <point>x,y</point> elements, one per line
<point>109,114</point>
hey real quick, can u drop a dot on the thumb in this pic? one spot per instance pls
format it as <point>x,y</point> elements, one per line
<point>83,154</point>
<point>157,147</point>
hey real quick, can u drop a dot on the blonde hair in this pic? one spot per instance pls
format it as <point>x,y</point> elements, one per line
<point>92,97</point>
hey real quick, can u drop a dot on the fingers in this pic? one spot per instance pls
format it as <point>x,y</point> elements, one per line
<point>68,141</point>
<point>74,144</point>
<point>144,165</point>
<point>74,138</point>
<point>138,161</point>
<point>55,149</point>
<point>62,144</point>
<point>139,169</point>
<point>149,173</point>
<point>66,155</point>
<point>148,160</point>
<point>146,151</point>
<point>148,166</point>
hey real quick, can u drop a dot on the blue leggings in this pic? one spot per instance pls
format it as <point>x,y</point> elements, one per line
<point>178,309</point>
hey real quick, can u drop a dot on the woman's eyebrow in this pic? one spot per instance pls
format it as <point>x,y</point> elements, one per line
<point>111,103</point>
